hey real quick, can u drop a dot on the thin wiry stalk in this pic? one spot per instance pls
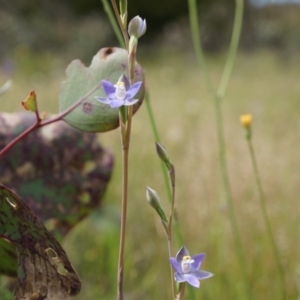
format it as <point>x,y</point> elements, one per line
<point>217,97</point>
<point>266,219</point>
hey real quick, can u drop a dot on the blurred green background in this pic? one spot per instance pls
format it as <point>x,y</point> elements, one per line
<point>39,39</point>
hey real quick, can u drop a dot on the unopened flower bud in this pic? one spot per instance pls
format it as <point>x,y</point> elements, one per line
<point>153,199</point>
<point>163,155</point>
<point>161,152</point>
<point>137,27</point>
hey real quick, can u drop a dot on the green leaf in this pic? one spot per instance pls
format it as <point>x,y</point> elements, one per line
<point>44,271</point>
<point>92,115</point>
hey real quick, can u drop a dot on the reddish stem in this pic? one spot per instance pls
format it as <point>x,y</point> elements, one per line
<point>39,123</point>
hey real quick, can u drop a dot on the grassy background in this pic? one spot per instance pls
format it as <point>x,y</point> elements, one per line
<point>263,84</point>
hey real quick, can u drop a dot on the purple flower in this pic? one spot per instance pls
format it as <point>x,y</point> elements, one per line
<point>186,267</point>
<point>121,93</point>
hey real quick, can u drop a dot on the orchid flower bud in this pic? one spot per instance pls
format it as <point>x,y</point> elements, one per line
<point>153,199</point>
<point>137,27</point>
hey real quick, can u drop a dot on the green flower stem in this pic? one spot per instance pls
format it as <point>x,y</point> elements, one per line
<point>170,191</point>
<point>112,20</point>
<point>217,97</point>
<point>125,152</point>
<point>169,241</point>
<point>163,166</point>
<point>181,293</point>
<point>131,63</point>
<point>236,33</point>
<point>125,134</point>
<point>157,139</point>
<point>125,127</point>
<point>197,45</point>
<point>121,26</point>
<point>228,196</point>
<point>267,222</point>
<point>172,180</point>
<point>123,7</point>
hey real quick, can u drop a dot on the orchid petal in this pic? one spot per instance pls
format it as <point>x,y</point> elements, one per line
<point>192,280</point>
<point>124,79</point>
<point>116,103</point>
<point>104,100</point>
<point>198,259</point>
<point>179,277</point>
<point>133,90</point>
<point>181,253</point>
<point>202,274</point>
<point>175,265</point>
<point>130,102</point>
<point>108,88</point>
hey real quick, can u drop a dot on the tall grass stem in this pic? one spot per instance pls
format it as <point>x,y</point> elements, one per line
<point>233,47</point>
<point>266,219</point>
<point>219,118</point>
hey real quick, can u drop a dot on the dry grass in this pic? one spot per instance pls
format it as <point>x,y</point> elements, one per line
<point>262,84</point>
